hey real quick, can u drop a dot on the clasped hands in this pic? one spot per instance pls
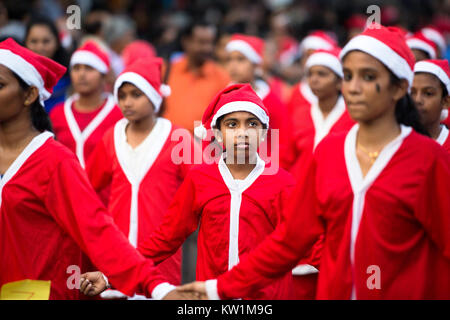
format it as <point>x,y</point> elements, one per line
<point>93,283</point>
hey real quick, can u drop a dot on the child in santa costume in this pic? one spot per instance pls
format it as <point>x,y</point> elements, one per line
<point>136,160</point>
<point>49,212</point>
<point>379,194</point>
<point>244,60</point>
<point>430,92</point>
<point>238,201</point>
<point>83,119</point>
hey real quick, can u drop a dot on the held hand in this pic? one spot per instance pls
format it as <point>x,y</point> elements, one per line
<point>198,288</point>
<point>179,295</point>
<point>92,283</point>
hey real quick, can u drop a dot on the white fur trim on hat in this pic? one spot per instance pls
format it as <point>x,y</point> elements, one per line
<point>26,71</point>
<point>236,106</point>
<point>382,52</point>
<point>244,48</point>
<point>315,43</point>
<point>444,114</point>
<point>327,60</point>
<point>419,44</point>
<point>89,59</point>
<point>436,37</point>
<point>142,85</point>
<point>428,67</point>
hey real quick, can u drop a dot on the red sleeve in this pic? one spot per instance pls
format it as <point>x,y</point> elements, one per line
<point>180,220</point>
<point>76,208</point>
<point>281,250</point>
<point>433,202</point>
<point>99,164</point>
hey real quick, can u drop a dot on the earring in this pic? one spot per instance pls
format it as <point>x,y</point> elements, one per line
<point>219,140</point>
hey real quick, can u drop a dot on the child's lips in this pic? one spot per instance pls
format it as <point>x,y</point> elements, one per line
<point>242,145</point>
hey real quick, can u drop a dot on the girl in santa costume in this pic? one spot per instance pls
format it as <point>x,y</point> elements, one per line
<point>136,160</point>
<point>49,213</point>
<point>379,194</point>
<point>244,60</point>
<point>430,91</point>
<point>238,200</point>
<point>82,120</point>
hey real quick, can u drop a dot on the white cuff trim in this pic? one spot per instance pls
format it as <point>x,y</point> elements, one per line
<point>211,289</point>
<point>161,290</point>
<point>304,269</point>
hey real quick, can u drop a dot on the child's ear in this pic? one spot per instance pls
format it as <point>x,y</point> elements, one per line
<point>31,95</point>
<point>446,102</point>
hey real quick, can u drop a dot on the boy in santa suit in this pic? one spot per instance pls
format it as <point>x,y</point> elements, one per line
<point>328,115</point>
<point>135,159</point>
<point>49,213</point>
<point>243,63</point>
<point>430,92</point>
<point>379,194</point>
<point>83,119</point>
<point>238,201</point>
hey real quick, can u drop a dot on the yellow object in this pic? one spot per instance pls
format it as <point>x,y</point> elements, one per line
<point>26,290</point>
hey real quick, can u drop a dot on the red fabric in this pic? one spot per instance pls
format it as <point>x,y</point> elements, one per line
<point>446,144</point>
<point>64,135</point>
<point>83,118</point>
<point>204,197</point>
<point>92,47</point>
<point>49,213</point>
<point>256,43</point>
<point>403,230</point>
<point>156,191</point>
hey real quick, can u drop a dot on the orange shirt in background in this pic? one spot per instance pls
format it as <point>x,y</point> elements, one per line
<point>192,93</point>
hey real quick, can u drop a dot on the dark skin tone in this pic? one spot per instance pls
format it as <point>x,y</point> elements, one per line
<point>326,85</point>
<point>199,47</point>
<point>89,84</point>
<point>371,100</point>
<point>16,128</point>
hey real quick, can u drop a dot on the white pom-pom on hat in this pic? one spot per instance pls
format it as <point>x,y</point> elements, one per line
<point>444,114</point>
<point>200,132</point>
<point>165,90</point>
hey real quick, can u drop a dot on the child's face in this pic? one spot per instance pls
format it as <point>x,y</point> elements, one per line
<point>85,79</point>
<point>240,69</point>
<point>241,133</point>
<point>133,103</point>
<point>323,81</point>
<point>427,94</point>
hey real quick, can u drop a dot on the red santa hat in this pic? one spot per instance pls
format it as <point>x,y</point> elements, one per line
<point>436,36</point>
<point>387,45</point>
<point>90,54</point>
<point>138,49</point>
<point>317,40</point>
<point>251,47</point>
<point>440,69</point>
<point>234,98</point>
<point>419,42</point>
<point>327,58</point>
<point>33,69</point>
<point>145,74</point>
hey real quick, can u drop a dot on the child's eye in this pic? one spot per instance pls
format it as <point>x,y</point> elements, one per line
<point>253,124</point>
<point>231,124</point>
<point>136,94</point>
<point>369,77</point>
<point>347,77</point>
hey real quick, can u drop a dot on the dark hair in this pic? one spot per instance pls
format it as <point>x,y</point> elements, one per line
<point>444,89</point>
<point>189,29</point>
<point>406,112</point>
<point>39,118</point>
<point>60,55</point>
<point>162,107</point>
<point>219,122</point>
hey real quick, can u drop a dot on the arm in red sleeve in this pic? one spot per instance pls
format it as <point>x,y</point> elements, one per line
<point>74,205</point>
<point>99,166</point>
<point>281,250</point>
<point>181,219</point>
<point>433,202</point>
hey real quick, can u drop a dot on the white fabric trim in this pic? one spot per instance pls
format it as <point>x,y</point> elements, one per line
<point>161,290</point>
<point>81,137</point>
<point>419,44</point>
<point>236,106</point>
<point>304,269</point>
<point>315,43</point>
<point>429,67</point>
<point>211,289</point>
<point>34,145</point>
<point>90,59</point>
<point>436,37</point>
<point>262,89</point>
<point>26,71</point>
<point>323,126</point>
<point>244,48</point>
<point>142,84</point>
<point>382,52</point>
<point>327,60</point>
<point>443,135</point>
<point>112,294</point>
<point>307,93</point>
<point>152,145</point>
<point>236,188</point>
<point>361,184</point>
